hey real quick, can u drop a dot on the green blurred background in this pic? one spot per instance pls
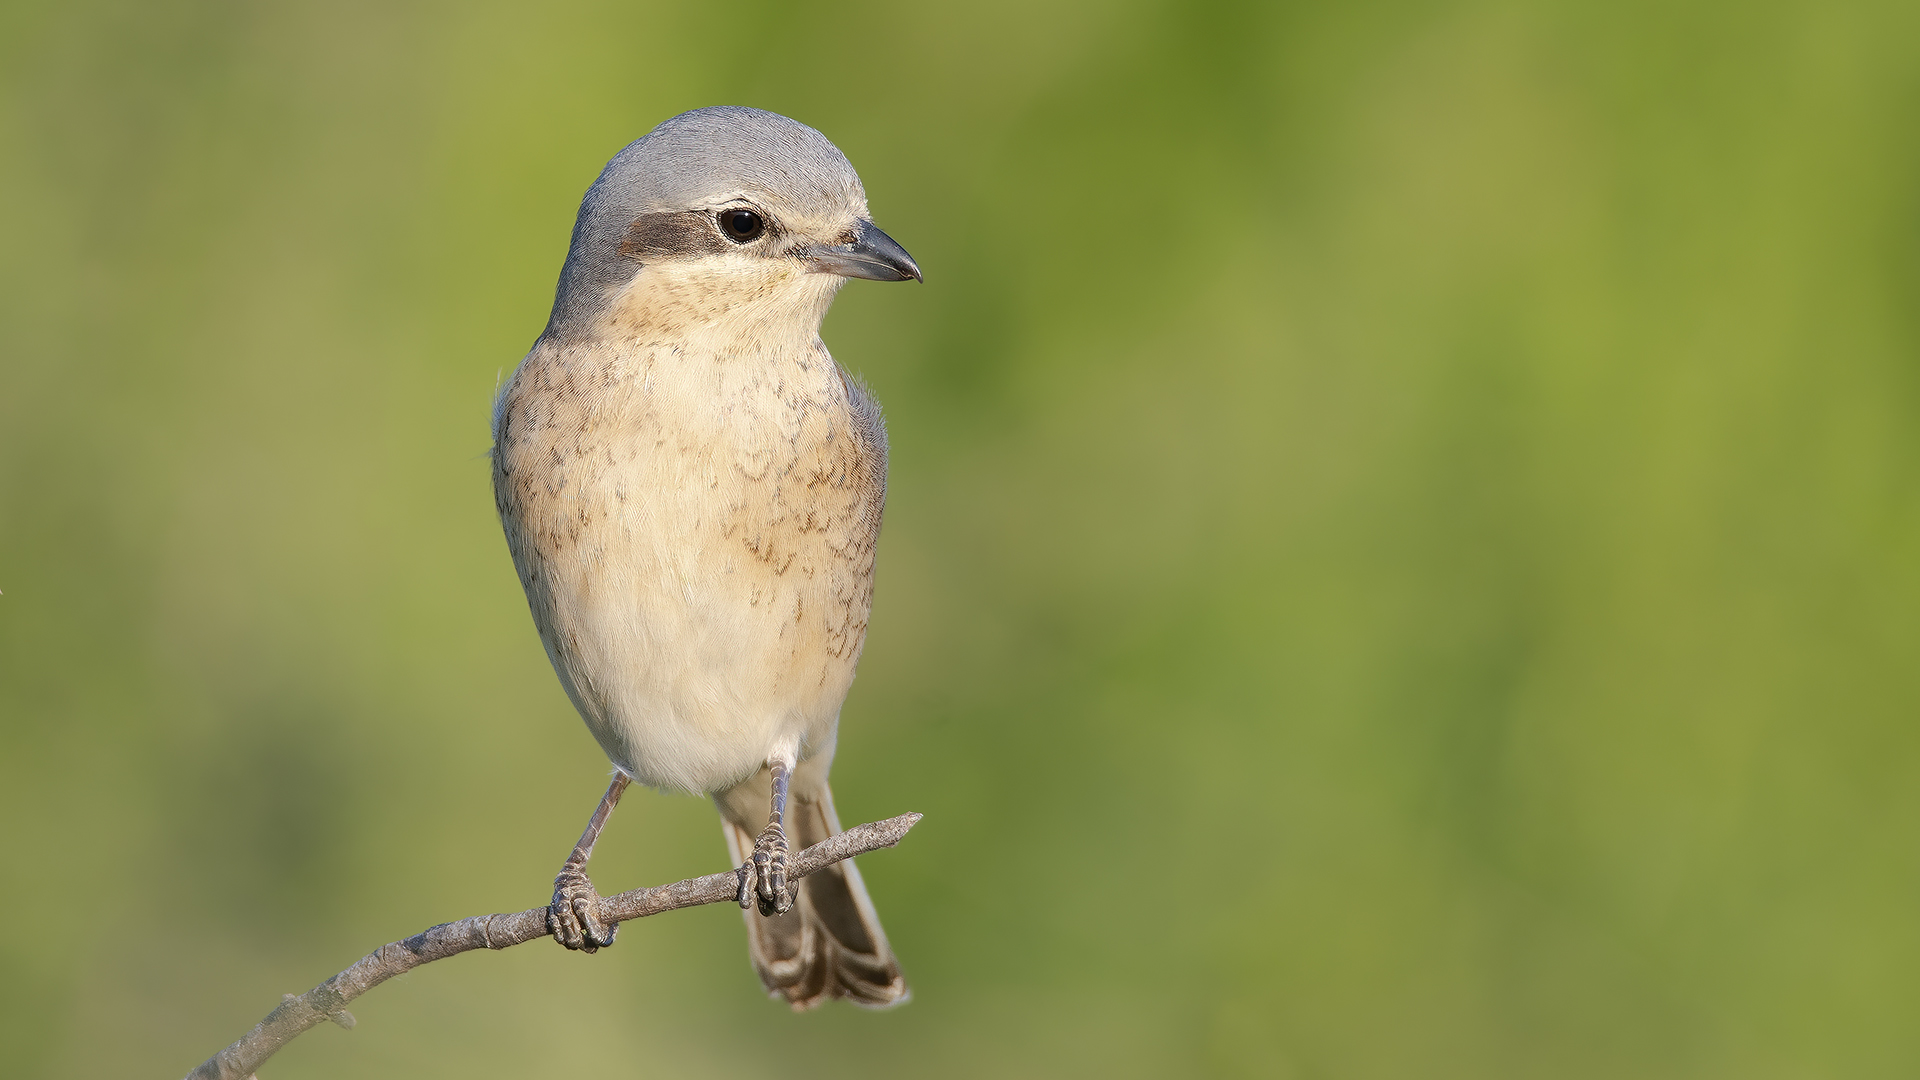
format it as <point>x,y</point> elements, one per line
<point>1403,557</point>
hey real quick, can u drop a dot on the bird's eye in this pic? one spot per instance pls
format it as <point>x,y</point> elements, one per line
<point>741,225</point>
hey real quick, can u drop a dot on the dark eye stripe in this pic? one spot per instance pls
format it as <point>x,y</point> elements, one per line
<point>681,235</point>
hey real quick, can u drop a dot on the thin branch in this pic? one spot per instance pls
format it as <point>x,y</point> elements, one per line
<point>328,1001</point>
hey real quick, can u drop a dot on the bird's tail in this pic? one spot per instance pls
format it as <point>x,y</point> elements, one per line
<point>830,945</point>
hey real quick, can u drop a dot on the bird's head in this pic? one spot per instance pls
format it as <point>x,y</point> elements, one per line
<point>720,216</point>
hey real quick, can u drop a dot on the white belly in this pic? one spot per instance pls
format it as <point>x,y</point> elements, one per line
<point>696,536</point>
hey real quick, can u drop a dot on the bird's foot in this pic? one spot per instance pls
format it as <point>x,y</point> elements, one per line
<point>763,878</point>
<point>574,916</point>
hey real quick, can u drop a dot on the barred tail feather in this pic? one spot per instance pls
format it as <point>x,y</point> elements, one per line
<point>831,944</point>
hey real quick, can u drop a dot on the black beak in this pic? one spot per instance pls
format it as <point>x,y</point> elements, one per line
<point>873,255</point>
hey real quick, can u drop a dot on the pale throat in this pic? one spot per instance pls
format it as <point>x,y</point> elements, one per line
<point>722,302</point>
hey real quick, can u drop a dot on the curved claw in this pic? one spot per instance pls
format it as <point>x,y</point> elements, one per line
<point>763,878</point>
<point>573,918</point>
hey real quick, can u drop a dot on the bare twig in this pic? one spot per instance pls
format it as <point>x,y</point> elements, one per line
<point>328,1001</point>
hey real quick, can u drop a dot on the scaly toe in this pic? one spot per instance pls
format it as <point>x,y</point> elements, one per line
<point>573,918</point>
<point>747,879</point>
<point>770,868</point>
<point>775,898</point>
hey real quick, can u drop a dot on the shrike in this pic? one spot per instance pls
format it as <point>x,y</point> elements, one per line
<point>691,489</point>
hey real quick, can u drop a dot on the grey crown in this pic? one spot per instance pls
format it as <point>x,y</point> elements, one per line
<point>698,160</point>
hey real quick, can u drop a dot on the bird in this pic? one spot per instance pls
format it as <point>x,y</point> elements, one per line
<point>691,489</point>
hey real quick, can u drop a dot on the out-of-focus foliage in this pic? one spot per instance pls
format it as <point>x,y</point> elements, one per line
<point>1403,560</point>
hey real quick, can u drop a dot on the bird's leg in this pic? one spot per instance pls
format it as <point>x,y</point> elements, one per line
<point>764,877</point>
<point>574,916</point>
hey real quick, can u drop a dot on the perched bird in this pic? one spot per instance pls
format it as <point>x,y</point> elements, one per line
<point>691,489</point>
